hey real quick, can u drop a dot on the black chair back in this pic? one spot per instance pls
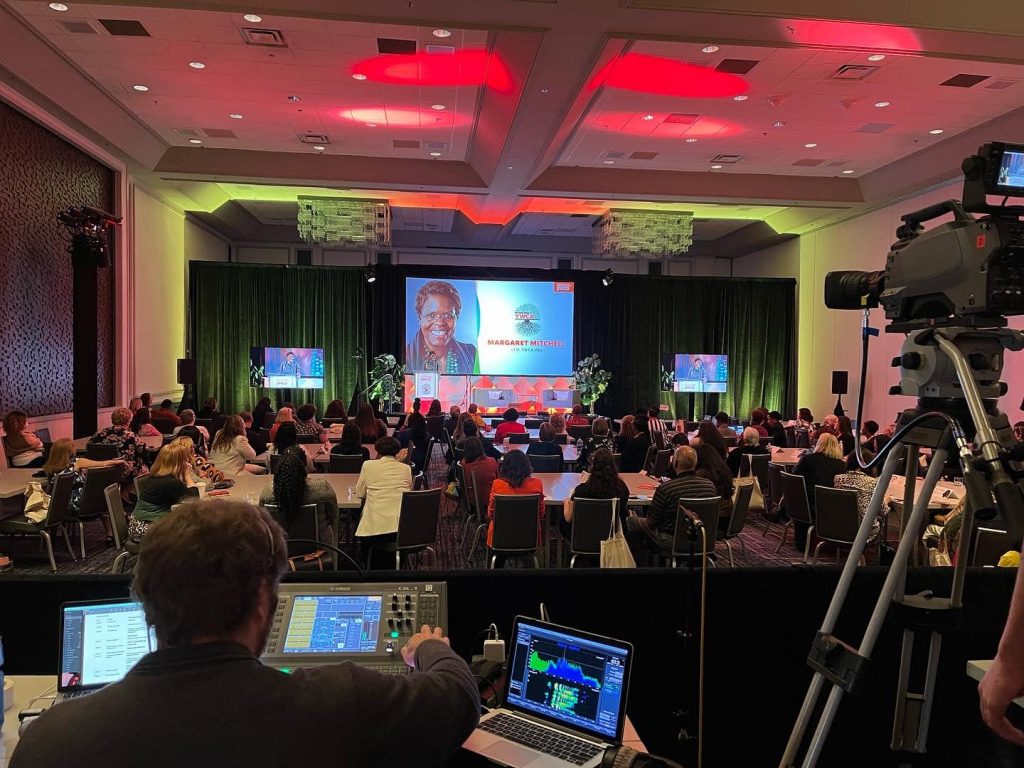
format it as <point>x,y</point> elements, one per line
<point>579,431</point>
<point>102,451</point>
<point>741,506</point>
<point>562,438</point>
<point>730,440</point>
<point>835,514</point>
<point>93,503</point>
<point>303,526</point>
<point>774,492</point>
<point>541,463</point>
<point>691,426</point>
<point>650,459</point>
<point>519,438</point>
<point>990,544</point>
<point>400,421</point>
<point>346,464</point>
<point>60,501</point>
<point>166,426</point>
<point>216,424</point>
<point>275,462</point>
<point>330,422</point>
<point>801,438</point>
<point>207,424</point>
<point>417,519</point>
<point>617,458</point>
<point>515,522</point>
<point>496,422</point>
<point>115,510</point>
<point>794,492</point>
<point>307,439</point>
<point>662,460</point>
<point>591,524</point>
<point>707,510</point>
<point>533,423</point>
<point>435,426</point>
<point>7,450</point>
<point>268,419</point>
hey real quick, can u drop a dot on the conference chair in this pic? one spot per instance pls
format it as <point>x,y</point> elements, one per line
<point>533,423</point>
<point>307,439</point>
<point>617,458</point>
<point>650,459</point>
<point>764,442</point>
<point>790,436</point>
<point>273,462</point>
<point>304,525</point>
<point>102,451</point>
<point>801,438</point>
<point>417,527</point>
<point>208,424</point>
<point>562,438</point>
<point>836,518</point>
<point>691,426</point>
<point>268,420</point>
<point>92,505</point>
<point>166,426</point>
<point>707,510</point>
<point>495,423</point>
<point>435,426</point>
<point>216,424</point>
<point>119,526</point>
<point>419,481</point>
<point>519,438</point>
<point>740,509</point>
<point>55,521</point>
<point>662,460</point>
<point>730,440</point>
<point>591,524</point>
<point>545,463</point>
<point>477,514</point>
<point>516,527</point>
<point>794,493</point>
<point>579,432</point>
<point>989,545</point>
<point>345,464</point>
<point>772,497</point>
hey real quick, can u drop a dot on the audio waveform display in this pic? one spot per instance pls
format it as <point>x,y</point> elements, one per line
<point>562,669</point>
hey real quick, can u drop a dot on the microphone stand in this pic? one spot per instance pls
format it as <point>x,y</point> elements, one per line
<point>693,526</point>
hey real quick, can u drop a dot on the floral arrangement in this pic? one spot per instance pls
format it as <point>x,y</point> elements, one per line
<point>591,380</point>
<point>387,382</point>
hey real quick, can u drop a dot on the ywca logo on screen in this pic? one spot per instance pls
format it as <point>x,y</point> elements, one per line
<point>527,317</point>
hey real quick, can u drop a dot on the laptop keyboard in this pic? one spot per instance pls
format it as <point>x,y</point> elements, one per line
<point>75,695</point>
<point>544,740</point>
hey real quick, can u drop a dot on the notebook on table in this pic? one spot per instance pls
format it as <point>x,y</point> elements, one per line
<point>99,642</point>
<point>564,699</point>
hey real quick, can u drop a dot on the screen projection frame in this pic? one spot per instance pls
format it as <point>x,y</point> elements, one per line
<point>265,381</point>
<point>571,339</point>
<point>669,365</point>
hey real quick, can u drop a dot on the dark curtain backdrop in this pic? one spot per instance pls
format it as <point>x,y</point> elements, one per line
<point>237,306</point>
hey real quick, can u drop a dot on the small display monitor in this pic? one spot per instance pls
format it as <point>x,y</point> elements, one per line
<point>695,373</point>
<point>286,367</point>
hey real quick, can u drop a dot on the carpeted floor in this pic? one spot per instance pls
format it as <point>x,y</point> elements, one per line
<point>30,558</point>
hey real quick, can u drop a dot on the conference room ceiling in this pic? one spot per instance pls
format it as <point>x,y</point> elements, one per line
<point>549,109</point>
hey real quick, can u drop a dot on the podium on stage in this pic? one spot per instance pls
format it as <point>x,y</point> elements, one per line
<point>426,385</point>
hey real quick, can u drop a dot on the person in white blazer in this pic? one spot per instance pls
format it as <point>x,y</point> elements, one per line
<point>381,483</point>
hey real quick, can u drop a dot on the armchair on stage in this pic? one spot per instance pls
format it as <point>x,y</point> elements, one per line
<point>488,398</point>
<point>559,399</point>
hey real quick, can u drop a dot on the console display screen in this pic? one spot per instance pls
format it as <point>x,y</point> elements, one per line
<point>333,624</point>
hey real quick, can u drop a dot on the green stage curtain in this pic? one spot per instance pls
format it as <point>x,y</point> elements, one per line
<point>237,306</point>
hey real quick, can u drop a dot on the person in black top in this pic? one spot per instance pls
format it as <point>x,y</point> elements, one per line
<point>351,443</point>
<point>818,468</point>
<point>209,409</point>
<point>469,429</point>
<point>419,440</point>
<point>847,440</point>
<point>751,445</point>
<point>452,420</point>
<point>634,450</point>
<point>259,413</point>
<point>776,430</point>
<point>253,434</point>
<point>600,437</point>
<point>603,482</point>
<point>712,466</point>
<point>707,434</point>
<point>546,446</point>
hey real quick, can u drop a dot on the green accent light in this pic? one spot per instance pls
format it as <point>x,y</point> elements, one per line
<point>286,670</point>
<point>394,634</point>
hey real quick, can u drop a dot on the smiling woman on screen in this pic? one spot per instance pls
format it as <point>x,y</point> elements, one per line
<point>434,347</point>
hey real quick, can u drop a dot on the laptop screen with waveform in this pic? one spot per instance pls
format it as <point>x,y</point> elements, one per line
<point>571,678</point>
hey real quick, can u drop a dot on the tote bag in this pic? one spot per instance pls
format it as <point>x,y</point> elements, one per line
<point>614,550</point>
<point>756,497</point>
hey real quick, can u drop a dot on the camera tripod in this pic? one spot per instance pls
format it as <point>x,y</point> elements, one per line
<point>954,367</point>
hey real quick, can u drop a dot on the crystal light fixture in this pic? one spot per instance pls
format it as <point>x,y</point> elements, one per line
<point>650,234</point>
<point>344,221</point>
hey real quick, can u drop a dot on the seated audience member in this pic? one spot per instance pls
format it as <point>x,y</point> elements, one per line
<point>289,406</point>
<point>854,478</point>
<point>723,423</point>
<point>479,469</point>
<point>830,426</point>
<point>708,435</point>
<point>712,466</point>
<point>509,426</point>
<point>804,419</point>
<point>166,412</point>
<point>817,468</point>
<point>435,409</point>
<point>557,422</point>
<point>382,481</point>
<point>514,479</point>
<point>287,438</point>
<point>166,485</point>
<point>546,445</point>
<point>208,579</point>
<point>335,410</point>
<point>600,437</point>
<point>680,439</point>
<point>293,488</point>
<point>129,447</point>
<point>418,445</point>
<point>64,460</point>
<point>633,450</point>
<point>656,529</point>
<point>147,400</point>
<point>469,430</point>
<point>252,434</point>
<point>371,428</point>
<point>231,452</point>
<point>776,429</point>
<point>474,414</point>
<point>847,440</point>
<point>134,404</point>
<point>751,445</point>
<point>452,421</point>
<point>577,419</point>
<point>603,482</point>
<point>306,423</point>
<point>654,422</point>
<point>142,424</point>
<point>22,447</point>
<point>285,415</point>
<point>404,433</point>
<point>417,404</point>
<point>259,413</point>
<point>209,409</point>
<point>757,421</point>
<point>873,439</point>
<point>460,427</point>
<point>188,419</point>
<point>351,443</point>
<point>202,469</point>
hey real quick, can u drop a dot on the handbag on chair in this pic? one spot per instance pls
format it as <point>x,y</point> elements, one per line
<point>37,502</point>
<point>756,497</point>
<point>615,549</point>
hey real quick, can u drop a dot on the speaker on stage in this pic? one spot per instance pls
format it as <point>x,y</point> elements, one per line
<point>840,382</point>
<point>186,371</point>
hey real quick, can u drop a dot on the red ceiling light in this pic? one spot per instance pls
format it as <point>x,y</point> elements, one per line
<point>644,73</point>
<point>849,34</point>
<point>405,117</point>
<point>469,67</point>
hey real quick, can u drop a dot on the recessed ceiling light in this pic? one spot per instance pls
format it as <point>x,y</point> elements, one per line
<point>876,57</point>
<point>141,88</point>
<point>810,145</point>
<point>318,148</point>
<point>438,106</point>
<point>935,131</point>
<point>709,49</point>
<point>647,117</point>
<point>849,171</point>
<point>779,124</point>
<point>716,167</point>
<point>58,7</point>
<point>609,162</point>
<point>235,116</point>
<point>435,154</point>
<point>442,33</point>
<point>253,18</point>
<point>881,104</point>
<point>197,65</point>
<point>691,141</point>
<point>358,76</point>
<point>741,97</point>
<point>294,98</point>
<point>371,125</point>
<point>195,141</point>
<point>510,167</point>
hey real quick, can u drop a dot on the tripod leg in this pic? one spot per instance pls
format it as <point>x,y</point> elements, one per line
<point>802,720</point>
<point>913,710</point>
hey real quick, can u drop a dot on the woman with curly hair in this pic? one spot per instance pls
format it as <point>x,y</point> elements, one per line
<point>293,488</point>
<point>434,347</point>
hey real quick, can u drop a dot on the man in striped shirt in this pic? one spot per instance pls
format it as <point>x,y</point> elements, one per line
<point>656,530</point>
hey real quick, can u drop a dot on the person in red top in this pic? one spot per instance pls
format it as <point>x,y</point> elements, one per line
<point>510,426</point>
<point>514,478</point>
<point>758,418</point>
<point>479,469</point>
<point>577,419</point>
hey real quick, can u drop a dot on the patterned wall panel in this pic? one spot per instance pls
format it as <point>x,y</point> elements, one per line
<point>40,174</point>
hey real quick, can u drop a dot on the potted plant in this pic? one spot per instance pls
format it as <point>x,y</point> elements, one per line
<point>387,382</point>
<point>591,381</point>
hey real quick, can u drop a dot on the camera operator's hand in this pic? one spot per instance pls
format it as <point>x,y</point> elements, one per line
<point>1003,683</point>
<point>409,649</point>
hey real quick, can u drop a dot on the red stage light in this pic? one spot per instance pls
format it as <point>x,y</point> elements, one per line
<point>874,37</point>
<point>644,73</point>
<point>405,117</point>
<point>470,67</point>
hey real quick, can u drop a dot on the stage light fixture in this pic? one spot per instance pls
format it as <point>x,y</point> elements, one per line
<point>88,228</point>
<point>608,279</point>
<point>647,117</point>
<point>371,273</point>
<point>716,167</point>
<point>691,140</point>
<point>438,107</point>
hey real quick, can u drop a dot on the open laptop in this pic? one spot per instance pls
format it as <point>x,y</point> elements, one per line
<point>564,699</point>
<point>99,643</point>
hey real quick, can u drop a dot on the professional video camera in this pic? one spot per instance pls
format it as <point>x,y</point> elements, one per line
<point>88,228</point>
